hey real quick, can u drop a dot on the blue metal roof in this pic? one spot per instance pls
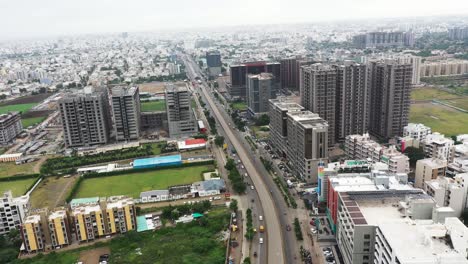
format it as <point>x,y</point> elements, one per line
<point>157,161</point>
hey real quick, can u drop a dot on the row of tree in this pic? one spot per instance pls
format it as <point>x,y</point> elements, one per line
<point>236,179</point>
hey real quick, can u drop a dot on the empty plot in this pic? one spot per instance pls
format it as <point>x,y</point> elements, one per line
<point>18,187</point>
<point>441,119</point>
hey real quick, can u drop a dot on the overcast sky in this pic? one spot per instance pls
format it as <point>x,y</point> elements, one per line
<point>23,18</point>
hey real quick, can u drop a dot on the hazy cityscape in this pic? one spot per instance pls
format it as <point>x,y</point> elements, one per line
<point>237,134</point>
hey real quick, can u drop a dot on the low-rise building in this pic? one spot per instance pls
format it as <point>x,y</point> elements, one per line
<point>59,228</point>
<point>458,166</point>
<point>121,215</point>
<point>429,169</point>
<point>438,146</point>
<point>33,235</point>
<point>447,193</point>
<point>416,131</point>
<point>88,222</point>
<point>209,187</point>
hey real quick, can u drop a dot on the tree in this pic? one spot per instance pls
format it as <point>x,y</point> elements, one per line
<point>230,164</point>
<point>263,120</point>
<point>247,260</point>
<point>414,154</point>
<point>233,205</point>
<point>219,141</point>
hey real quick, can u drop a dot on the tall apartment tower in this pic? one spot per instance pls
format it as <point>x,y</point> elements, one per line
<point>279,122</point>
<point>290,71</point>
<point>13,211</point>
<point>239,73</point>
<point>260,88</point>
<point>390,94</point>
<point>213,62</point>
<point>85,118</point>
<point>10,127</point>
<point>180,116</point>
<point>339,93</point>
<point>126,113</point>
<point>307,143</point>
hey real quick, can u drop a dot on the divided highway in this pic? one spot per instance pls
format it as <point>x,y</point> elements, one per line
<point>281,247</point>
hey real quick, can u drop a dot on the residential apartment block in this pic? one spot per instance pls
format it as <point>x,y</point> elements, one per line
<point>438,146</point>
<point>59,228</point>
<point>260,88</point>
<point>126,113</point>
<point>416,131</point>
<point>361,147</point>
<point>339,94</point>
<point>307,143</point>
<point>239,72</point>
<point>383,40</point>
<point>13,211</point>
<point>33,234</point>
<point>10,127</point>
<point>429,169</point>
<point>444,68</point>
<point>290,71</point>
<point>279,109</point>
<point>447,193</point>
<point>390,95</point>
<point>85,118</point>
<point>180,117</point>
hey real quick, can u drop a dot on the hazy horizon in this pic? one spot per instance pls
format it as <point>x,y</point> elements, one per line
<point>29,18</point>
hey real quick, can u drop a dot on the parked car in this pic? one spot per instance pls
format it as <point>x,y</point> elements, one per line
<point>288,228</point>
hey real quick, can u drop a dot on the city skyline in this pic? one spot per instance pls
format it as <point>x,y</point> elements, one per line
<point>52,18</point>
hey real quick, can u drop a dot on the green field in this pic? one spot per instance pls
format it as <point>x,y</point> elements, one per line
<point>18,187</point>
<point>8,169</point>
<point>241,106</point>
<point>152,106</point>
<point>18,107</point>
<point>133,183</point>
<point>32,121</point>
<point>461,102</point>
<point>440,119</point>
<point>428,93</point>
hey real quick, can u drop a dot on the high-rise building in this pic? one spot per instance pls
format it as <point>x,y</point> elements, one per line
<point>126,113</point>
<point>13,211</point>
<point>390,96</point>
<point>307,143</point>
<point>339,94</point>
<point>180,117</point>
<point>85,118</point>
<point>279,122</point>
<point>213,62</point>
<point>384,40</point>
<point>10,127</point>
<point>444,68</point>
<point>260,88</point>
<point>458,33</point>
<point>238,87</point>
<point>415,62</point>
<point>290,70</point>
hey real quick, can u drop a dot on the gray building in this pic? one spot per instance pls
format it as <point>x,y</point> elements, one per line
<point>290,71</point>
<point>85,118</point>
<point>279,122</point>
<point>126,113</point>
<point>10,127</point>
<point>260,88</point>
<point>384,40</point>
<point>213,62</point>
<point>153,120</point>
<point>389,97</point>
<point>339,94</point>
<point>180,117</point>
<point>13,211</point>
<point>307,143</point>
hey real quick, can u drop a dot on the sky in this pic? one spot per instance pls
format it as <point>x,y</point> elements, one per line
<point>33,18</point>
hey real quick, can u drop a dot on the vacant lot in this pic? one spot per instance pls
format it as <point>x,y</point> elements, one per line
<point>51,192</point>
<point>18,187</point>
<point>461,102</point>
<point>241,106</point>
<point>32,121</point>
<point>8,169</point>
<point>441,119</point>
<point>153,87</point>
<point>133,183</point>
<point>151,106</point>
<point>17,107</point>
<point>429,93</point>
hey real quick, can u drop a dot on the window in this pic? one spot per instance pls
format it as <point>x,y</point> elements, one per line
<point>366,236</point>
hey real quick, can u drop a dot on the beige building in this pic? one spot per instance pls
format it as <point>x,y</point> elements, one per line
<point>436,145</point>
<point>33,234</point>
<point>444,68</point>
<point>59,228</point>
<point>429,169</point>
<point>447,193</point>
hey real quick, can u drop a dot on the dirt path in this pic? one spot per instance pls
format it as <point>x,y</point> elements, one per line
<point>92,256</point>
<point>64,190</point>
<point>37,166</point>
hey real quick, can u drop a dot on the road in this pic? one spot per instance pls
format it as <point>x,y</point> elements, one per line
<point>281,246</point>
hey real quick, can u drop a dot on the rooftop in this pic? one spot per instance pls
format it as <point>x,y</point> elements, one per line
<point>123,90</point>
<point>57,214</point>
<point>83,201</point>
<point>4,117</point>
<point>307,119</point>
<point>287,105</point>
<point>34,219</point>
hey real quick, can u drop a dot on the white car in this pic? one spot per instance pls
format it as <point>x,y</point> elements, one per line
<point>252,187</point>
<point>260,218</point>
<point>260,240</point>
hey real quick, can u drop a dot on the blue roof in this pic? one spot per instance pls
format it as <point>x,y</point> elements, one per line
<point>79,201</point>
<point>141,223</point>
<point>157,161</point>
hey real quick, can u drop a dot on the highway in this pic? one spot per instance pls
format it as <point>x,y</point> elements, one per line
<point>281,245</point>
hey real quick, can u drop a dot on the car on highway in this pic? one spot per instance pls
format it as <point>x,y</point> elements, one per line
<point>251,187</point>
<point>260,240</point>
<point>260,218</point>
<point>288,228</point>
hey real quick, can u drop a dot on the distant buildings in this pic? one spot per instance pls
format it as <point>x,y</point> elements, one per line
<point>458,33</point>
<point>12,211</point>
<point>126,113</point>
<point>390,97</point>
<point>180,117</point>
<point>10,127</point>
<point>384,40</point>
<point>213,61</point>
<point>260,88</point>
<point>290,71</point>
<point>85,118</point>
<point>238,86</point>
<point>307,143</point>
<point>444,68</point>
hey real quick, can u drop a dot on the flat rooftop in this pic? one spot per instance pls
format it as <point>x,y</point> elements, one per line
<point>123,90</point>
<point>287,105</point>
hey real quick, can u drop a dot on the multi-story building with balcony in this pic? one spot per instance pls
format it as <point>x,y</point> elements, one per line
<point>59,228</point>
<point>429,169</point>
<point>438,146</point>
<point>447,193</point>
<point>10,127</point>
<point>416,131</point>
<point>126,113</point>
<point>33,234</point>
<point>13,211</point>
<point>180,117</point>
